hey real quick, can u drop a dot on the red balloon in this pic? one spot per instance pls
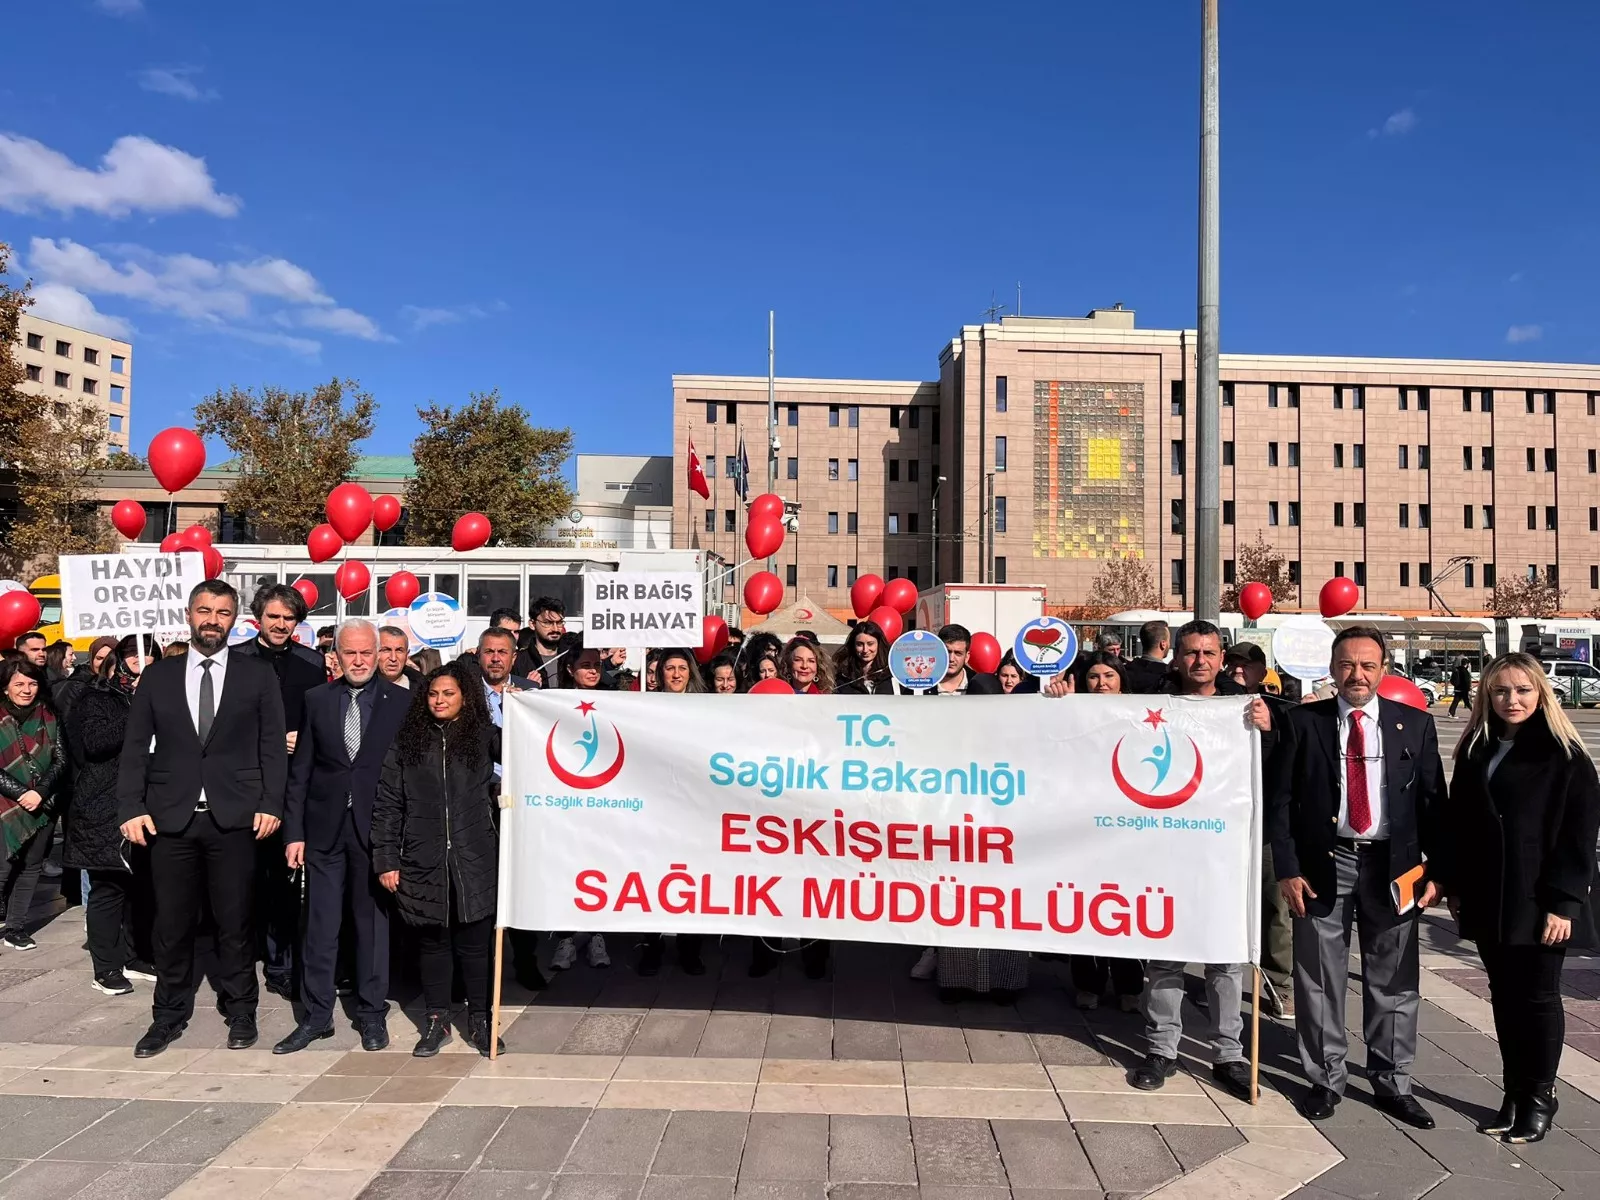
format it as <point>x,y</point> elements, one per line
<point>385,512</point>
<point>215,564</point>
<point>713,638</point>
<point>766,507</point>
<point>128,517</point>
<point>401,589</point>
<point>1255,600</point>
<point>764,538</point>
<point>763,592</point>
<point>308,591</point>
<point>864,594</point>
<point>323,543</point>
<point>1338,596</point>
<point>471,531</point>
<point>352,579</point>
<point>349,510</point>
<point>1403,691</point>
<point>176,456</point>
<point>899,594</point>
<point>983,653</point>
<point>19,612</point>
<point>172,543</point>
<point>771,687</point>
<point>886,619</point>
<point>197,536</point>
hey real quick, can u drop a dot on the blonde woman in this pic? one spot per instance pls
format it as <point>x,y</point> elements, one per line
<point>1517,857</point>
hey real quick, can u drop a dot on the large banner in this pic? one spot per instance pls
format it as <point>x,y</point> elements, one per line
<point>1118,826</point>
<point>141,591</point>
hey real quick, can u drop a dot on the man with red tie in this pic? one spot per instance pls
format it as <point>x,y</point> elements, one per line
<point>1355,782</point>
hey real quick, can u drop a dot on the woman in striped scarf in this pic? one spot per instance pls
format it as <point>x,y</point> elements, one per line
<point>31,761</point>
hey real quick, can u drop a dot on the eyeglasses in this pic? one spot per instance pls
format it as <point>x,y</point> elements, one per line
<point>551,621</point>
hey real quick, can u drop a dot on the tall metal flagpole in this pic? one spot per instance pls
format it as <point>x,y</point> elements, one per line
<point>1208,404</point>
<point>772,408</point>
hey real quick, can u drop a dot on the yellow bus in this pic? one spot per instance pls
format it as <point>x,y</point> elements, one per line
<point>47,591</point>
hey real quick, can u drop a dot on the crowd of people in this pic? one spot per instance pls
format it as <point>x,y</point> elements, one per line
<point>297,800</point>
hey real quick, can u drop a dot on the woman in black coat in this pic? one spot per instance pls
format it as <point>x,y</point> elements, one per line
<point>1516,860</point>
<point>435,845</point>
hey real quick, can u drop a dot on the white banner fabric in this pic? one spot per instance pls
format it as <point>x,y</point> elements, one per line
<point>142,591</point>
<point>1126,827</point>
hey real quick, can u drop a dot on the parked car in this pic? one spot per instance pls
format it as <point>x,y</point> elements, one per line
<point>1566,672</point>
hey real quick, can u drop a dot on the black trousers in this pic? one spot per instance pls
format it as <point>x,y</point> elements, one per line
<point>1525,991</point>
<point>203,861</point>
<point>441,948</point>
<point>22,879</point>
<point>337,880</point>
<point>277,909</point>
<point>109,912</point>
<point>813,954</point>
<point>1089,974</point>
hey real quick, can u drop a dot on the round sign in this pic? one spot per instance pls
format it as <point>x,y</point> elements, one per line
<point>1046,646</point>
<point>401,619</point>
<point>1303,646</point>
<point>243,631</point>
<point>918,660</point>
<point>306,635</point>
<point>437,620</point>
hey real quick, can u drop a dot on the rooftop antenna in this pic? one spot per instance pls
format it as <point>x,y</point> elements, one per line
<point>994,310</point>
<point>1019,297</point>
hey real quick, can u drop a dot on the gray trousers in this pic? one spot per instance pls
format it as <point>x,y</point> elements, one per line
<point>1389,1000</point>
<point>1163,1008</point>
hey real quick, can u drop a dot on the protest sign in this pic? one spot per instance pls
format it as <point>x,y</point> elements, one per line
<point>1101,825</point>
<point>650,609</point>
<point>436,619</point>
<point>142,591</point>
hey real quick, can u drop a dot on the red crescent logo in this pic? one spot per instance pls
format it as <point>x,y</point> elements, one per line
<point>582,781</point>
<point>1148,799</point>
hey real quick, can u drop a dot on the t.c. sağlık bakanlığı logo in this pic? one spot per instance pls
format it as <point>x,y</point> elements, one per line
<point>1160,759</point>
<point>585,746</point>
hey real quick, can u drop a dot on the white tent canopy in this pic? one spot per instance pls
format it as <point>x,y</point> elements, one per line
<point>804,613</point>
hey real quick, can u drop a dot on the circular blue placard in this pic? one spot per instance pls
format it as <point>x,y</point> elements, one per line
<point>918,660</point>
<point>1046,646</point>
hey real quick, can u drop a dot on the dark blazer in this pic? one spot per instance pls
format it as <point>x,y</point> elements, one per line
<point>977,685</point>
<point>92,834</point>
<point>1303,790</point>
<point>1146,676</point>
<point>532,662</point>
<point>1522,844</point>
<point>321,775</point>
<point>303,669</point>
<point>243,766</point>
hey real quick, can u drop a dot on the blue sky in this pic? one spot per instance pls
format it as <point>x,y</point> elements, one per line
<point>438,197</point>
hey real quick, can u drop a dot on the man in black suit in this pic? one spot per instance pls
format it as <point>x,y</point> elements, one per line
<point>958,681</point>
<point>201,779</point>
<point>279,610</point>
<point>348,728</point>
<point>538,658</point>
<point>1355,783</point>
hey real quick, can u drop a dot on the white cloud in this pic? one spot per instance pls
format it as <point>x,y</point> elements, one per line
<point>420,318</point>
<point>176,81</point>
<point>1524,333</point>
<point>343,320</point>
<point>57,302</point>
<point>1397,124</point>
<point>136,175</point>
<point>120,8</point>
<point>306,347</point>
<point>278,277</point>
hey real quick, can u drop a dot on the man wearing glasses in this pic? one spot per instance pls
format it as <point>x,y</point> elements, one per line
<point>537,659</point>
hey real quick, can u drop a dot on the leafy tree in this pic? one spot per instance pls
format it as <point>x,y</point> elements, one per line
<point>1259,562</point>
<point>485,456</point>
<point>121,460</point>
<point>291,449</point>
<point>1124,582</point>
<point>1519,596</point>
<point>16,406</point>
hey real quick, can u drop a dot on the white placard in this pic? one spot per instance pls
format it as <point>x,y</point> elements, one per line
<point>1302,646</point>
<point>437,620</point>
<point>652,609</point>
<point>113,595</point>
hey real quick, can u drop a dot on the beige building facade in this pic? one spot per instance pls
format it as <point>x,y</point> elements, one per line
<point>73,366</point>
<point>1049,445</point>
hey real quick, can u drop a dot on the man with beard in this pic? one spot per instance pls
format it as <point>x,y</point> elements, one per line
<point>538,658</point>
<point>279,610</point>
<point>200,781</point>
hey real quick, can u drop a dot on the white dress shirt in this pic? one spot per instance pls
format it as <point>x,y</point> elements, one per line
<point>1377,799</point>
<point>193,673</point>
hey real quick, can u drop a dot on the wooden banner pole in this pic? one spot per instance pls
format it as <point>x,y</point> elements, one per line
<point>494,1018</point>
<point>1255,1033</point>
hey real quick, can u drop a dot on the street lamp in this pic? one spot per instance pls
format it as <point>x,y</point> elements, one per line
<point>934,581</point>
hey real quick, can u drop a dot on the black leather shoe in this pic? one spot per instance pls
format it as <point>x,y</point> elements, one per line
<point>691,964</point>
<point>1153,1073</point>
<point>1319,1103</point>
<point>1534,1115</point>
<point>1506,1118</point>
<point>375,1036</point>
<point>157,1039</point>
<point>242,1032</point>
<point>478,1034</point>
<point>1233,1078</point>
<point>650,959</point>
<point>434,1035</point>
<point>279,986</point>
<point>297,1041</point>
<point>531,978</point>
<point>1406,1110</point>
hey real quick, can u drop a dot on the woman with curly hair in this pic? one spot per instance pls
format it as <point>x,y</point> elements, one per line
<point>758,650</point>
<point>804,668</point>
<point>32,768</point>
<point>861,665</point>
<point>435,845</point>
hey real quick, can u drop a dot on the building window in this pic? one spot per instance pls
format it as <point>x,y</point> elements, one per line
<point>1466,400</point>
<point>1486,458</point>
<point>1550,518</point>
<point>833,575</point>
<point>1000,393</point>
<point>63,349</point>
<point>894,470</point>
<point>792,469</point>
<point>63,379</point>
<point>1177,397</point>
<point>1272,512</point>
<point>1405,568</point>
<point>91,356</point>
<point>1338,455</point>
<point>114,422</point>
<point>911,522</point>
<point>711,412</point>
<point>1533,516</point>
<point>853,416</point>
<point>1177,576</point>
<point>91,387</point>
<point>794,414</point>
<point>852,523</point>
<point>791,571</point>
<point>711,520</point>
<point>999,515</point>
<point>1591,461</point>
<point>1361,574</point>
<point>1550,459</point>
<point>1486,400</point>
<point>36,342</point>
<point>911,572</point>
<point>1405,516</point>
<point>1424,516</point>
<point>1357,397</point>
<point>1229,573</point>
<point>119,365</point>
<point>1466,575</point>
<point>999,569</point>
<point>118,394</point>
<point>833,522</point>
<point>1424,574</point>
<point>916,423</point>
<point>1488,523</point>
<point>894,522</point>
<point>1488,575</point>
<point>1177,457</point>
<point>1294,512</point>
<point>1550,574</point>
<point>833,468</point>
<point>34,372</point>
<point>1423,457</point>
<point>1594,519</point>
<point>1272,395</point>
<point>833,416</point>
<point>913,470</point>
<point>1592,398</point>
<point>1358,515</point>
<point>1405,457</point>
<point>1227,512</point>
<point>1272,454</point>
<point>1466,516</point>
<point>731,414</point>
<point>999,454</point>
<point>1358,455</point>
<point>1423,399</point>
<point>1177,516</point>
<point>1227,402</point>
<point>1338,397</point>
<point>1293,390</point>
<point>894,416</point>
<point>850,575</point>
<point>1227,454</point>
<point>1338,514</point>
<point>1466,458</point>
<point>1404,399</point>
<point>1294,454</point>
<point>851,470</point>
<point>1338,569</point>
<point>1530,457</point>
<point>730,521</point>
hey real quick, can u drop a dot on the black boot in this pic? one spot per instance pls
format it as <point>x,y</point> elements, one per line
<point>478,1034</point>
<point>1534,1114</point>
<point>434,1035</point>
<point>1510,1107</point>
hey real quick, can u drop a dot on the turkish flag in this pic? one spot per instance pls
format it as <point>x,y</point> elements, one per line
<point>697,476</point>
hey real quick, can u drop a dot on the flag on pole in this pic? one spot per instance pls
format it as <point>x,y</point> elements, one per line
<point>742,472</point>
<point>697,476</point>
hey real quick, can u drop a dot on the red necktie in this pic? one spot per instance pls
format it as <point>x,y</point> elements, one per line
<point>1355,774</point>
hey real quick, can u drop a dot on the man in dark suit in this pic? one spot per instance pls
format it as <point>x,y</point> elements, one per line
<point>201,779</point>
<point>958,681</point>
<point>537,658</point>
<point>279,610</point>
<point>394,652</point>
<point>348,728</point>
<point>1355,782</point>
